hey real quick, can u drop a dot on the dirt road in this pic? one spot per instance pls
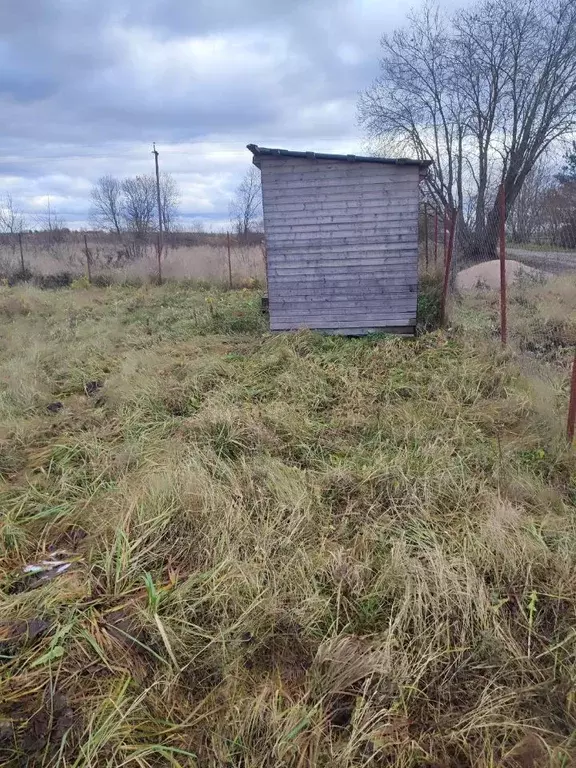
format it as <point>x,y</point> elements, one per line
<point>548,261</point>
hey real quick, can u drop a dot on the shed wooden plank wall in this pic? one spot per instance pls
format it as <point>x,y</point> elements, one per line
<point>342,244</point>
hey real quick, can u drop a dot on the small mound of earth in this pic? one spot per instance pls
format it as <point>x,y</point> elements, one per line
<point>487,275</point>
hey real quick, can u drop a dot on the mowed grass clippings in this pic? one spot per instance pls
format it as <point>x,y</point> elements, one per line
<point>294,550</point>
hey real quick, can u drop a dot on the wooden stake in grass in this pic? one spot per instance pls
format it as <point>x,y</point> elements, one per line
<point>503,318</point>
<point>229,261</point>
<point>22,267</point>
<point>88,259</point>
<point>572,405</point>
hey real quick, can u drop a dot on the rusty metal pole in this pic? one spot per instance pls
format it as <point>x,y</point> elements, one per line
<point>572,406</point>
<point>22,267</point>
<point>435,237</point>
<point>229,260</point>
<point>503,307</point>
<point>88,265</point>
<point>444,233</point>
<point>426,233</point>
<point>447,264</point>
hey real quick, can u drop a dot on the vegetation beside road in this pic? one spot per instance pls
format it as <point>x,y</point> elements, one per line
<point>540,248</point>
<point>282,550</point>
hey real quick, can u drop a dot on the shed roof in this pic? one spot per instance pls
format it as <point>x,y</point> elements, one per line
<point>259,152</point>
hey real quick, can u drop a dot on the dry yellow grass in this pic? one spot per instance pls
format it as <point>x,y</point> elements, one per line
<point>541,317</point>
<point>199,262</point>
<point>283,550</point>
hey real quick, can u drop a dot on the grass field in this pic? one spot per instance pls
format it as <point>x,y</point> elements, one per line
<point>293,550</point>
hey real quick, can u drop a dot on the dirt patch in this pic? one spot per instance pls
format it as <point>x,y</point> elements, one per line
<point>487,275</point>
<point>35,724</point>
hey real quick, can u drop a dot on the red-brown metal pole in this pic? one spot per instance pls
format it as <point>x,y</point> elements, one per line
<point>426,232</point>
<point>503,318</point>
<point>447,264</point>
<point>572,406</point>
<point>435,237</point>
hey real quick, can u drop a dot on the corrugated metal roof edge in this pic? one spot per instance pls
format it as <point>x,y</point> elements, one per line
<point>267,151</point>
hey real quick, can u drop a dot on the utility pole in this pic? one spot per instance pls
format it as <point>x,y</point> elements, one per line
<point>160,239</point>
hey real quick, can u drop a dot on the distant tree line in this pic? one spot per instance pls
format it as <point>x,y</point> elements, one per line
<point>545,208</point>
<point>14,222</point>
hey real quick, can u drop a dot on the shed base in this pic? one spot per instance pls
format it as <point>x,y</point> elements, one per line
<point>396,330</point>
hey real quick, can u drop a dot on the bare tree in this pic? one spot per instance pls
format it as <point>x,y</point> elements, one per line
<point>526,217</point>
<point>106,209</point>
<point>568,172</point>
<point>559,213</point>
<point>560,204</point>
<point>482,94</point>
<point>127,208</point>
<point>138,213</point>
<point>138,202</point>
<point>51,222</point>
<point>12,220</point>
<point>246,205</point>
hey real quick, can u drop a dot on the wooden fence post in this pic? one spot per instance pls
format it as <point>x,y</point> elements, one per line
<point>22,266</point>
<point>88,259</point>
<point>229,260</point>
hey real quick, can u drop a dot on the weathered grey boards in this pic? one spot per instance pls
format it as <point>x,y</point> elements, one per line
<point>342,241</point>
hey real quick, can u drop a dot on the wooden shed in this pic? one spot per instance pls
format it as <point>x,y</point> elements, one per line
<point>341,239</point>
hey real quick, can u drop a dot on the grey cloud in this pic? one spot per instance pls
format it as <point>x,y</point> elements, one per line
<point>177,18</point>
<point>87,86</point>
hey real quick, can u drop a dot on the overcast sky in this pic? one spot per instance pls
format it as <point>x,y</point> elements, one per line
<point>87,85</point>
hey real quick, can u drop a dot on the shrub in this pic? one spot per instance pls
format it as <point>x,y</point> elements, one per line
<point>429,300</point>
<point>102,280</point>
<point>57,280</point>
<point>21,276</point>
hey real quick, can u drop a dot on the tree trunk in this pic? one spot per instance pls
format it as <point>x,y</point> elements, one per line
<point>480,243</point>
